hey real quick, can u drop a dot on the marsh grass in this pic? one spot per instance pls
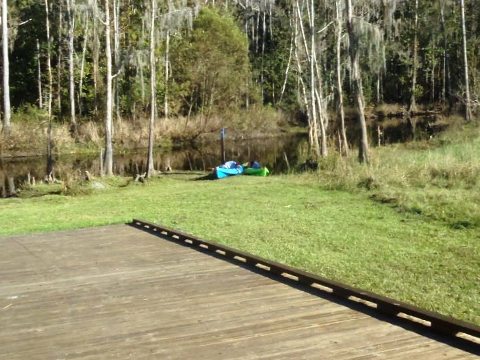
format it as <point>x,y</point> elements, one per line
<point>439,179</point>
<point>29,131</point>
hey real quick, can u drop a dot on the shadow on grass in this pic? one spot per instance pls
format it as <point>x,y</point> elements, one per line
<point>207,177</point>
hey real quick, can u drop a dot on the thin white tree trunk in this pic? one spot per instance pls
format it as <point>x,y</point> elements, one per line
<point>468,110</point>
<point>312,86</point>
<point>96,55</point>
<point>50,92</point>
<point>445,62</point>
<point>116,52</point>
<point>39,77</point>
<point>312,112</point>
<point>167,71</point>
<point>142,81</point>
<point>339,78</point>
<point>71,65</point>
<point>262,77</point>
<point>82,65</point>
<point>357,83</point>
<point>287,69</point>
<point>6,70</point>
<point>301,83</point>
<point>108,112</point>
<point>60,57</point>
<point>153,90</point>
<point>413,105</point>
<point>49,62</point>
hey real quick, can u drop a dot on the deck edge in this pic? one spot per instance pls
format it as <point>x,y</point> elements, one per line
<point>437,323</point>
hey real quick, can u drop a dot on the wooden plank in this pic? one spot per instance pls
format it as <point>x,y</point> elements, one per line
<point>116,292</point>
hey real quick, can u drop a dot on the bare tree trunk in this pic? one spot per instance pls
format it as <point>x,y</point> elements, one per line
<point>142,82</point>
<point>96,55</point>
<point>60,57</point>
<point>468,110</point>
<point>311,102</point>
<point>301,83</point>
<point>412,106</point>
<point>50,92</point>
<point>167,72</point>
<point>153,90</point>
<point>262,68</point>
<point>312,80</point>
<point>49,63</point>
<point>82,66</point>
<point>108,112</point>
<point>288,65</point>
<point>39,77</point>
<point>6,71</point>
<point>116,52</point>
<point>339,79</point>
<point>357,83</point>
<point>71,65</point>
<point>433,83</point>
<point>444,69</point>
<point>11,186</point>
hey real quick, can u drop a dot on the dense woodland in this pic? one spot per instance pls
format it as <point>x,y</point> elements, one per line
<point>190,61</point>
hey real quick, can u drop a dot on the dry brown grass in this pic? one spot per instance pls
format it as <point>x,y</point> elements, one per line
<point>29,131</point>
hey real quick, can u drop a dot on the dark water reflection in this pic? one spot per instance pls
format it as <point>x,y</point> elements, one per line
<point>276,153</point>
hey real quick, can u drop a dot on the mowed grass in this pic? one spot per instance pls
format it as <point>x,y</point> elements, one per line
<point>292,219</point>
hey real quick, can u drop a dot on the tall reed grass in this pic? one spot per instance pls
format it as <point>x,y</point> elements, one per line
<point>439,178</point>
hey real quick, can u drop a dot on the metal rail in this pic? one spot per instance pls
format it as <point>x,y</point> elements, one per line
<point>435,322</point>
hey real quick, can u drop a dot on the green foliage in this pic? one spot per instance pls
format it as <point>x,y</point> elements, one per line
<point>212,64</point>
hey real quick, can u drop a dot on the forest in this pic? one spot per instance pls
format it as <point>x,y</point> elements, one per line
<point>111,70</point>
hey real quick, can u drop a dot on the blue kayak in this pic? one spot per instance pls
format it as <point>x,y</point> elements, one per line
<point>223,171</point>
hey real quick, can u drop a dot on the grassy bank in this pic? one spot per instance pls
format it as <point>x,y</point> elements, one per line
<point>292,219</point>
<point>437,179</point>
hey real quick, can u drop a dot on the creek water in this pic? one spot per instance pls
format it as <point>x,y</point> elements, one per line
<point>278,154</point>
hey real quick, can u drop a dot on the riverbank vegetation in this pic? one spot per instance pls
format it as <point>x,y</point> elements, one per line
<point>437,178</point>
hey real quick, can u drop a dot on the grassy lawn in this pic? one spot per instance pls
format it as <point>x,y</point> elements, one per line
<point>292,219</point>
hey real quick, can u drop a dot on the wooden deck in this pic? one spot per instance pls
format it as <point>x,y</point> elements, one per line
<point>118,292</point>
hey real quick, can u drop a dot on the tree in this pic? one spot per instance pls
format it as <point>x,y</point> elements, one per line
<point>412,106</point>
<point>6,70</point>
<point>49,63</point>
<point>356,76</point>
<point>71,64</point>
<point>153,89</point>
<point>341,113</point>
<point>468,109</point>
<point>212,64</point>
<point>109,108</point>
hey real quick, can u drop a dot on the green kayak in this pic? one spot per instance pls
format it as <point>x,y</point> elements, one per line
<point>256,171</point>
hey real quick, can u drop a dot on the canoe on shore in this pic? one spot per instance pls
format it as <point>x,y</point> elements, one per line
<point>263,171</point>
<point>221,172</point>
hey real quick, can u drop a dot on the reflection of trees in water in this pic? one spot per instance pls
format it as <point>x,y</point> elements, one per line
<point>203,157</point>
